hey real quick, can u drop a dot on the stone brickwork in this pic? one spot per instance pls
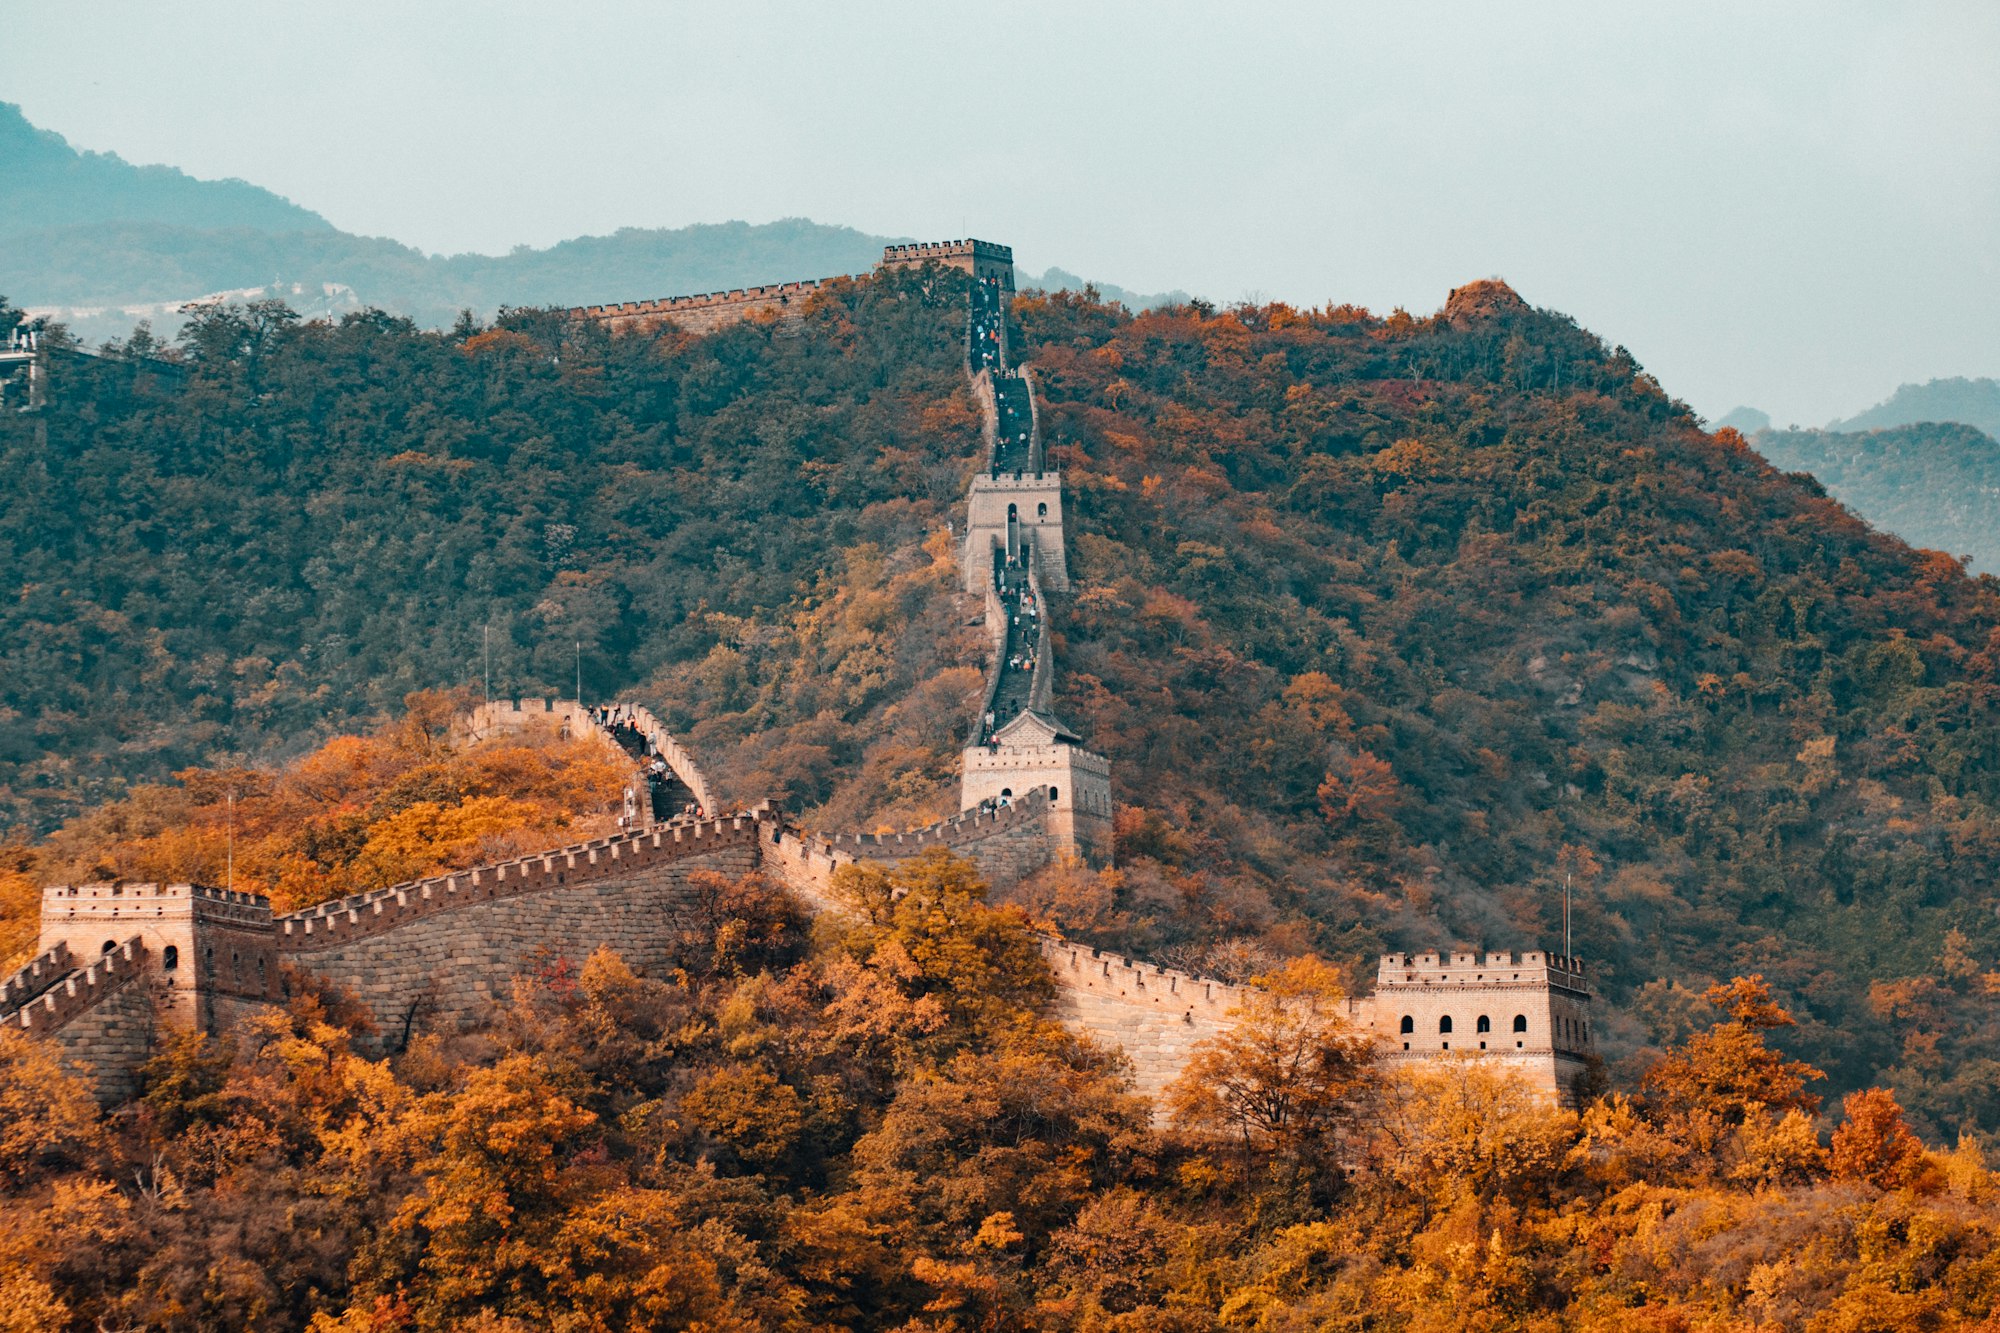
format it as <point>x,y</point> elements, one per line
<point>982,259</point>
<point>103,1016</point>
<point>440,969</point>
<point>502,716</point>
<point>706,312</point>
<point>1530,1014</point>
<point>1154,1014</point>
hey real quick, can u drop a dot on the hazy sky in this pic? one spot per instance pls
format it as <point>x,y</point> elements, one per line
<point>1793,205</point>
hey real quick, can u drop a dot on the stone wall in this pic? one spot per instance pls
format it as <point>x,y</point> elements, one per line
<point>1154,1014</point>
<point>103,1017</point>
<point>706,312</point>
<point>431,953</point>
<point>36,975</point>
<point>501,716</point>
<point>437,970</point>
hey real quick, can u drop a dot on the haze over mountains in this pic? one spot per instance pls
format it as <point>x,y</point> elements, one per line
<point>102,243</point>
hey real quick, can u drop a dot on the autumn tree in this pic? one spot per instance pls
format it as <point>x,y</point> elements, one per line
<point>1873,1143</point>
<point>1285,1078</point>
<point>1729,1069</point>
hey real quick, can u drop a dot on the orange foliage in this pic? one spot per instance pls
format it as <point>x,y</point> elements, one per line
<point>359,812</point>
<point>1874,1144</point>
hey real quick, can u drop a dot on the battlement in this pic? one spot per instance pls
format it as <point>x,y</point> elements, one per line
<point>35,976</point>
<point>1080,967</point>
<point>1463,968</point>
<point>79,991</point>
<point>505,715</point>
<point>918,252</point>
<point>71,908</point>
<point>964,827</point>
<point>336,923</point>
<point>781,293</point>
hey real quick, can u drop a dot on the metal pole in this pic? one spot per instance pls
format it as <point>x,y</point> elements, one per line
<point>1565,916</point>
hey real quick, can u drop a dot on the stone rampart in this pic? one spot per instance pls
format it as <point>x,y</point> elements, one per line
<point>504,715</point>
<point>39,973</point>
<point>380,911</point>
<point>436,966</point>
<point>707,311</point>
<point>103,1017</point>
<point>1154,1014</point>
<point>1008,843</point>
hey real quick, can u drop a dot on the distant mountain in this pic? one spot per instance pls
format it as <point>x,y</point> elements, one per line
<point>1747,420</point>
<point>97,243</point>
<point>1062,280</point>
<point>50,184</point>
<point>1974,402</point>
<point>1934,484</point>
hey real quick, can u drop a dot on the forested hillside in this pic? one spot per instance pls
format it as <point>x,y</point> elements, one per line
<point>1934,484</point>
<point>1388,624</point>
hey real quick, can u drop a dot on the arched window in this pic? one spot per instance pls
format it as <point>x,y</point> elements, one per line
<point>170,958</point>
<point>1444,1024</point>
<point>1485,1023</point>
<point>1409,1024</point>
<point>1042,510</point>
<point>1006,791</point>
<point>1013,512</point>
<point>110,946</point>
<point>1520,1022</point>
<point>1054,792</point>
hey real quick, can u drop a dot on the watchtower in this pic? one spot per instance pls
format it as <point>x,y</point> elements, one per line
<point>982,259</point>
<point>216,951</point>
<point>1530,1014</point>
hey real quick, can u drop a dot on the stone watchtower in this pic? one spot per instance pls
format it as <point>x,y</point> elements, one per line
<point>216,951</point>
<point>982,259</point>
<point>1530,1014</point>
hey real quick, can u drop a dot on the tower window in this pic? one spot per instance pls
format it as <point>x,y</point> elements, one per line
<point>1520,1022</point>
<point>1444,1024</point>
<point>1485,1024</point>
<point>1409,1024</point>
<point>1041,511</point>
<point>110,946</point>
<point>170,958</point>
<point>1054,793</point>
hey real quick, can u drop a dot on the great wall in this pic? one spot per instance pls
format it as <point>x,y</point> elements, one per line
<point>116,962</point>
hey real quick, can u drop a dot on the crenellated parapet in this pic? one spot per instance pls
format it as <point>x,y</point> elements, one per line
<point>379,911</point>
<point>35,976</point>
<point>706,311</point>
<point>81,990</point>
<point>501,716</point>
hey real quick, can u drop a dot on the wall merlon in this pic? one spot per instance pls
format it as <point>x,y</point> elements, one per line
<point>77,992</point>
